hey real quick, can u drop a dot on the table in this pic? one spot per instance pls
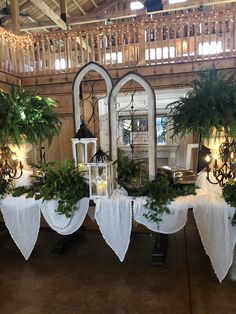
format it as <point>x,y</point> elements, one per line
<point>114,217</point>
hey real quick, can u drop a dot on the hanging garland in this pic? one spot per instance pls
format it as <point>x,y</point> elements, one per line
<point>160,193</point>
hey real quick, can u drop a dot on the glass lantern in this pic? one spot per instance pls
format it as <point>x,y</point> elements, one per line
<point>101,182</point>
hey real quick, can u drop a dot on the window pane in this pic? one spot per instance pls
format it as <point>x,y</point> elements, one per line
<point>161,123</point>
<point>138,133</point>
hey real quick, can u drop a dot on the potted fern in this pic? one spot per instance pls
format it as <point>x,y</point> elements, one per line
<point>26,115</point>
<point>209,106</point>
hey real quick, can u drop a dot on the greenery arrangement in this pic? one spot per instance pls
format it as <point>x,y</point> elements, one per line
<point>62,182</point>
<point>4,186</point>
<point>130,172</point>
<point>25,114</point>
<point>210,105</point>
<point>229,194</point>
<point>160,193</point>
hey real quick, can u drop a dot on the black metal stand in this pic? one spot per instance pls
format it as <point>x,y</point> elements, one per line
<point>65,242</point>
<point>2,226</point>
<point>160,249</point>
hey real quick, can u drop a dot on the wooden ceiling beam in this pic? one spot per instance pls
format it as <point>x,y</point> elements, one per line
<point>56,3</point>
<point>105,6</point>
<point>50,13</point>
<point>94,3</point>
<point>38,25</point>
<point>15,16</point>
<point>24,5</point>
<point>93,18</point>
<point>79,7</point>
<point>63,10</point>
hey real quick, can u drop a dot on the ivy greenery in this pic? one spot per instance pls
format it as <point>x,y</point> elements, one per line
<point>229,194</point>
<point>25,114</point>
<point>211,104</point>
<point>62,182</point>
<point>160,193</point>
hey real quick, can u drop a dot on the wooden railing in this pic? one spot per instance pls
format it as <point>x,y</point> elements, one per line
<point>161,40</point>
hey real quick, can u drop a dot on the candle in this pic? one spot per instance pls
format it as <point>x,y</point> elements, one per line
<point>101,188</point>
<point>208,158</point>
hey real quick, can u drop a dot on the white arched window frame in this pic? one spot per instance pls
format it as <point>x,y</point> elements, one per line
<point>91,66</point>
<point>151,118</point>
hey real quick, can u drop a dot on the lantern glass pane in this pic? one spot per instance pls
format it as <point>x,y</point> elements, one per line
<point>101,179</point>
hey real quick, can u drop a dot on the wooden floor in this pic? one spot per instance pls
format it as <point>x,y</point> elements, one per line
<point>90,279</point>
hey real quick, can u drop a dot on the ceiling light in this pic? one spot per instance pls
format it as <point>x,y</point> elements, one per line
<point>136,5</point>
<point>176,1</point>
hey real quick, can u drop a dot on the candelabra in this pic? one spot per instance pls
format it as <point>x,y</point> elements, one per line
<point>10,166</point>
<point>223,165</point>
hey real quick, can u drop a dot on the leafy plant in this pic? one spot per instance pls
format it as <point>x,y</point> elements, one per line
<point>4,186</point>
<point>211,104</point>
<point>160,193</point>
<point>62,182</point>
<point>25,114</point>
<point>129,172</point>
<point>229,194</point>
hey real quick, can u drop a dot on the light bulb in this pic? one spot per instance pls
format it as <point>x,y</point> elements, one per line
<point>208,158</point>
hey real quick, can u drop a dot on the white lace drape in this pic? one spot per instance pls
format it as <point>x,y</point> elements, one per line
<point>22,219</point>
<point>170,223</point>
<point>60,223</point>
<point>213,218</point>
<point>114,218</point>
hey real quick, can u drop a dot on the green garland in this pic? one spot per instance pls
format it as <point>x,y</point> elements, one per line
<point>229,194</point>
<point>160,193</point>
<point>62,182</point>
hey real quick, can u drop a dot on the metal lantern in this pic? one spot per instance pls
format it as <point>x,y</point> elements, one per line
<point>100,176</point>
<point>84,146</point>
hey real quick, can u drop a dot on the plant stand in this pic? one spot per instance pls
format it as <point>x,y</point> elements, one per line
<point>160,249</point>
<point>65,242</point>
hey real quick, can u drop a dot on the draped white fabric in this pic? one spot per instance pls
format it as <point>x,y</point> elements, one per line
<point>170,223</point>
<point>60,223</point>
<point>213,218</point>
<point>22,219</point>
<point>114,218</point>
<point>206,186</point>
